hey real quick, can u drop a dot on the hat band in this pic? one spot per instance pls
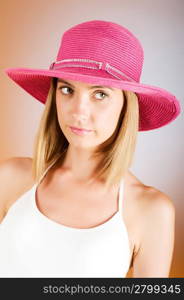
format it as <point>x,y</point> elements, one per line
<point>90,64</point>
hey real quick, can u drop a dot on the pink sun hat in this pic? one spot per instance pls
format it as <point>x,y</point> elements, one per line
<point>104,53</point>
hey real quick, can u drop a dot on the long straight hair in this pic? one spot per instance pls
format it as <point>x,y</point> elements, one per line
<point>115,154</point>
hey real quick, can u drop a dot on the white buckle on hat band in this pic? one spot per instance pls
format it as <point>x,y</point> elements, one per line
<point>90,64</point>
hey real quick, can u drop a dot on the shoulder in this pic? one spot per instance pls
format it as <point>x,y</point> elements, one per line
<point>154,212</point>
<point>155,204</point>
<point>148,200</point>
<point>147,205</point>
<point>15,179</point>
<point>19,166</point>
<point>158,216</point>
<point>155,252</point>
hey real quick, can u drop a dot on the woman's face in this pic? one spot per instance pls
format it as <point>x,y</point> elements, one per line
<point>86,106</point>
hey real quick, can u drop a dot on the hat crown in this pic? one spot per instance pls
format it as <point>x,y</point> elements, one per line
<point>106,42</point>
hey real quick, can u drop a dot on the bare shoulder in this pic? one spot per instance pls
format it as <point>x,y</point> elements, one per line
<point>155,202</point>
<point>159,210</point>
<point>21,166</point>
<point>148,198</point>
<point>153,231</point>
<point>15,179</point>
<point>153,210</point>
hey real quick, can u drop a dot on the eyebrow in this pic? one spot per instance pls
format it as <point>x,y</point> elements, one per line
<point>92,87</point>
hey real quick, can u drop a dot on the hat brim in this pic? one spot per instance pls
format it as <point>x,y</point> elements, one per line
<point>157,107</point>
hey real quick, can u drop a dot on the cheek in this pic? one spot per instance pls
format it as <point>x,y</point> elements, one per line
<point>110,119</point>
<point>61,108</point>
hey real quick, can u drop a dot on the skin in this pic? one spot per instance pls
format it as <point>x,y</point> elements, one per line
<point>80,106</point>
<point>148,214</point>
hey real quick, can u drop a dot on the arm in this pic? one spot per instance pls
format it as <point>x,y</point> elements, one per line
<point>154,256</point>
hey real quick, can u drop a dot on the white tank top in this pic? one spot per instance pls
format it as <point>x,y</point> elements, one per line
<point>32,245</point>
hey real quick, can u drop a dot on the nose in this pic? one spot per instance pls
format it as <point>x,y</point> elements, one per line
<point>80,118</point>
<point>80,108</point>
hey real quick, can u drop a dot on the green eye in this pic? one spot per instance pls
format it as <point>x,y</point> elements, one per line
<point>102,93</point>
<point>63,89</point>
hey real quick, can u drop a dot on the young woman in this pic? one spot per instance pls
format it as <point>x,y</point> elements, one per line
<point>75,209</point>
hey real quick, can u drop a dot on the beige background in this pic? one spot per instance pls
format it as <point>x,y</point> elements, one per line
<point>30,34</point>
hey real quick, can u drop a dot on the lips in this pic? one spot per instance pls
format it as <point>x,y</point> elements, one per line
<point>80,129</point>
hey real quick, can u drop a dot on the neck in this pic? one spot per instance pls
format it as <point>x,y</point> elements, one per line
<point>80,163</point>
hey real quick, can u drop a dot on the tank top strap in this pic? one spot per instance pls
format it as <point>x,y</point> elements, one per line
<point>120,197</point>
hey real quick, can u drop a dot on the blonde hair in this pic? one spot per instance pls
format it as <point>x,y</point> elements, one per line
<point>116,153</point>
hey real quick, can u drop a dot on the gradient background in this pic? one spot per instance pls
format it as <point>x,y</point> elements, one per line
<point>30,34</point>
